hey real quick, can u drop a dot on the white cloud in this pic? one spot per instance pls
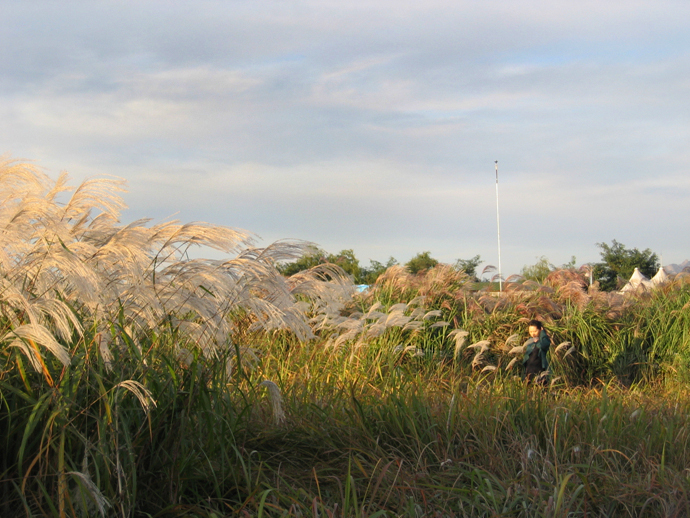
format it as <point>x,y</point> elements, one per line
<point>371,126</point>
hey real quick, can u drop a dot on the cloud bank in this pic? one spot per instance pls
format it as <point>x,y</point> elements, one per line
<point>371,126</point>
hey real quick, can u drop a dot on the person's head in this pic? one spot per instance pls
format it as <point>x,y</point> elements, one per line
<point>534,328</point>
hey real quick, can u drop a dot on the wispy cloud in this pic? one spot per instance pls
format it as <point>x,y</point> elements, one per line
<point>371,126</point>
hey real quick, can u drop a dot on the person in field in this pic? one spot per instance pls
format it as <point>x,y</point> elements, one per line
<point>534,359</point>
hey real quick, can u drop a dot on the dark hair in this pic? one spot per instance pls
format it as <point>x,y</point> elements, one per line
<point>535,323</point>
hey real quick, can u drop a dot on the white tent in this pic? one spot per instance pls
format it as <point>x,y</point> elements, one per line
<point>637,282</point>
<point>660,278</point>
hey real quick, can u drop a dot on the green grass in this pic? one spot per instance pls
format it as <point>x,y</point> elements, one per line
<point>137,383</point>
<point>378,434</point>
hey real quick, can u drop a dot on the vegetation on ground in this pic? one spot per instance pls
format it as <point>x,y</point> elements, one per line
<point>469,266</point>
<point>619,263</point>
<point>137,382</point>
<point>348,262</point>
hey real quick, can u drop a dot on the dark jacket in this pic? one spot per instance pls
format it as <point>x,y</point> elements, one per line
<point>543,342</point>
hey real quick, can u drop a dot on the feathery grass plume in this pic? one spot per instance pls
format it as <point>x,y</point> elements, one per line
<point>394,285</point>
<point>529,285</point>
<point>510,341</point>
<point>328,290</point>
<point>95,495</point>
<point>19,176</point>
<point>440,323</point>
<point>140,392</point>
<point>59,316</point>
<point>396,316</point>
<point>576,292</point>
<point>513,362</point>
<point>104,350</point>
<point>64,264</point>
<point>482,345</point>
<point>478,360</point>
<point>561,347</point>
<point>373,312</point>
<point>416,325</point>
<point>570,351</point>
<point>375,330</point>
<point>416,351</point>
<point>39,334</point>
<point>487,302</point>
<point>42,274</point>
<point>276,399</point>
<point>514,283</point>
<point>349,330</point>
<point>434,314</point>
<point>281,304</point>
<point>367,324</point>
<point>445,288</point>
<point>92,194</point>
<point>460,336</point>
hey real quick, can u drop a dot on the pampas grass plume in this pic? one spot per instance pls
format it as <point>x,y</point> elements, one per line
<point>276,399</point>
<point>140,392</point>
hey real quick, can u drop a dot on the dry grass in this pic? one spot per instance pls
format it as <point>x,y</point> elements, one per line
<point>169,386</point>
<point>66,263</point>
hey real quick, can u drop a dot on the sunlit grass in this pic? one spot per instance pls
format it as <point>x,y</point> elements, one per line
<point>136,382</point>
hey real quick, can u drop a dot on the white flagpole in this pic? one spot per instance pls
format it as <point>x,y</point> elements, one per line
<point>498,227</point>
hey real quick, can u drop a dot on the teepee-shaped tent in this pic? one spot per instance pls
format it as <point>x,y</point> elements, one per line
<point>660,278</point>
<point>637,282</point>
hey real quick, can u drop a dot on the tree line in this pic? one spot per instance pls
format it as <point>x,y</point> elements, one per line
<point>616,266</point>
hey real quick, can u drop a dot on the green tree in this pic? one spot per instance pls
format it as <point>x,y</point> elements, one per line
<point>570,265</point>
<point>538,271</point>
<point>347,261</point>
<point>469,266</point>
<point>373,272</point>
<point>619,263</point>
<point>312,258</point>
<point>421,261</point>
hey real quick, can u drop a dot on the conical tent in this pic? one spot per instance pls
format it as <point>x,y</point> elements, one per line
<point>637,281</point>
<point>660,278</point>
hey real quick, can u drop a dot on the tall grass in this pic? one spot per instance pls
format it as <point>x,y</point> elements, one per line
<point>407,438</point>
<point>137,382</point>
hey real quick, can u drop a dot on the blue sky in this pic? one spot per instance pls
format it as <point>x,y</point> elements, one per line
<point>371,125</point>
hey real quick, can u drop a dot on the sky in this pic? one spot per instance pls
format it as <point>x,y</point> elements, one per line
<point>369,125</point>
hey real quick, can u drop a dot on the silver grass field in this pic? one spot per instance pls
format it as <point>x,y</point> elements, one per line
<point>139,381</point>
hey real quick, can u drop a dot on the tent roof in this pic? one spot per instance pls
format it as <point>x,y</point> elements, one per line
<point>637,280</point>
<point>638,276</point>
<point>661,277</point>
